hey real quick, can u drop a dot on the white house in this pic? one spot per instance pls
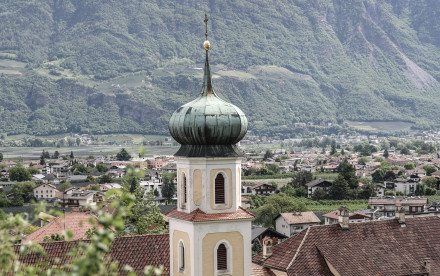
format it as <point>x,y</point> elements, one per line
<point>45,192</point>
<point>333,217</point>
<point>291,223</point>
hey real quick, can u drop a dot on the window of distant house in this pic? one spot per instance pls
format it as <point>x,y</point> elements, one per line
<point>219,190</point>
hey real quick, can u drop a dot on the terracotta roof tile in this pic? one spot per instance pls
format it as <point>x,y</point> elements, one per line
<point>198,215</point>
<point>77,222</point>
<point>367,248</point>
<point>135,251</point>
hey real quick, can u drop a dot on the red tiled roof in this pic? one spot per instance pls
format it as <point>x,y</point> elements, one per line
<point>261,271</point>
<point>199,215</point>
<point>335,215</point>
<point>367,248</point>
<point>77,222</point>
<point>135,251</point>
<point>300,217</point>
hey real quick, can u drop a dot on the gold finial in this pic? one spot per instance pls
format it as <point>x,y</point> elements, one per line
<point>206,44</point>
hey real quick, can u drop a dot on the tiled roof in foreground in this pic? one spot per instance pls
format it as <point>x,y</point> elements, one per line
<point>198,215</point>
<point>367,248</point>
<point>135,251</point>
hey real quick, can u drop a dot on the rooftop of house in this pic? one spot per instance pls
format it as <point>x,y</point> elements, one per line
<point>300,217</point>
<point>315,182</point>
<point>335,215</point>
<point>397,200</point>
<point>366,248</point>
<point>135,251</point>
<point>77,222</point>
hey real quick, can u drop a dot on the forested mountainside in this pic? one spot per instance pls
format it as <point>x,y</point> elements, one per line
<point>107,66</point>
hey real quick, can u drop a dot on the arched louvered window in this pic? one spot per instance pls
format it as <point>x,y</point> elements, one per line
<point>220,189</point>
<point>184,199</point>
<point>222,257</point>
<point>181,257</point>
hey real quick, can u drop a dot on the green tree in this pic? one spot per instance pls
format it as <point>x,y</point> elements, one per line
<point>274,205</point>
<point>19,174</point>
<point>106,178</point>
<point>268,154</point>
<point>256,247</point>
<point>339,189</point>
<point>101,167</point>
<point>378,176</point>
<point>420,190</point>
<point>56,155</point>
<point>4,201</point>
<point>1,157</point>
<point>405,151</point>
<point>430,181</point>
<point>90,178</point>
<point>429,169</point>
<point>342,152</point>
<point>144,216</point>
<point>348,172</point>
<point>301,178</point>
<point>71,155</point>
<point>363,160</point>
<point>141,152</point>
<point>385,153</point>
<point>95,188</point>
<point>64,186</point>
<point>42,161</point>
<point>33,170</point>
<point>168,188</point>
<point>123,155</point>
<point>368,190</point>
<point>23,191</point>
<point>319,194</point>
<point>333,148</point>
<point>409,166</point>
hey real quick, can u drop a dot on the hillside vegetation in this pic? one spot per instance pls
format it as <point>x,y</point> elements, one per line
<point>112,66</point>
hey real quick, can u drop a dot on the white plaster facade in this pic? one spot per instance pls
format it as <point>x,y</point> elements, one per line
<point>290,229</point>
<point>45,191</point>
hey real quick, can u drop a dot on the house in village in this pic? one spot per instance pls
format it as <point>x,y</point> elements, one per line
<point>333,217</point>
<point>319,183</point>
<point>292,223</point>
<point>385,206</point>
<point>46,192</point>
<point>76,198</point>
<point>257,189</point>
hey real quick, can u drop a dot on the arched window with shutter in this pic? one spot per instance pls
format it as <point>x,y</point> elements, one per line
<point>220,189</point>
<point>222,257</point>
<point>181,257</point>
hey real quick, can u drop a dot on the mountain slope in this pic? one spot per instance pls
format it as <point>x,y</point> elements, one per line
<point>124,66</point>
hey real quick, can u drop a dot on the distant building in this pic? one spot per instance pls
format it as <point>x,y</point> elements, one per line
<point>386,206</point>
<point>332,217</point>
<point>257,189</point>
<point>319,183</point>
<point>45,192</point>
<point>289,224</point>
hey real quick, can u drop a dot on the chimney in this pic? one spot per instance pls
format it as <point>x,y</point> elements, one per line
<point>267,247</point>
<point>427,265</point>
<point>343,217</point>
<point>400,215</point>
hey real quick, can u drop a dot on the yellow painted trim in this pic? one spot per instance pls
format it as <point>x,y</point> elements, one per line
<point>209,242</point>
<point>197,180</point>
<point>213,174</point>
<point>177,236</point>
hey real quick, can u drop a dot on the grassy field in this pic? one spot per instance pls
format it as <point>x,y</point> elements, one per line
<point>380,126</point>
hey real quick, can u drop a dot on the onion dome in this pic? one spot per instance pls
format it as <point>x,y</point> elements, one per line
<point>208,126</point>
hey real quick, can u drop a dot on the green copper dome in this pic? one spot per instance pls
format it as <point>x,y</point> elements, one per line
<point>208,125</point>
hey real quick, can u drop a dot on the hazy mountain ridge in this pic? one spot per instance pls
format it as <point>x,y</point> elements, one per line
<point>281,62</point>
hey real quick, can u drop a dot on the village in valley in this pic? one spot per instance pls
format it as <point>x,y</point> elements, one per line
<point>370,175</point>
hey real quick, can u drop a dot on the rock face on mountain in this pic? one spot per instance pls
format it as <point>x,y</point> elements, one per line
<point>124,66</point>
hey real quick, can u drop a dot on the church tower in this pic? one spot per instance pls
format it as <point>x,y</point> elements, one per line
<point>210,233</point>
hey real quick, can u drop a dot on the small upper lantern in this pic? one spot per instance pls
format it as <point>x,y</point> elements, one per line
<point>208,126</point>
